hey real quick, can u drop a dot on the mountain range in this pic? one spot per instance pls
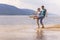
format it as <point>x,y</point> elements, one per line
<point>6,9</point>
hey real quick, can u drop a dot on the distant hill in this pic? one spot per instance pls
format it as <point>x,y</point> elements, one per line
<point>12,10</point>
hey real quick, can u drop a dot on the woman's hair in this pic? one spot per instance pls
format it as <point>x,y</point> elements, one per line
<point>38,9</point>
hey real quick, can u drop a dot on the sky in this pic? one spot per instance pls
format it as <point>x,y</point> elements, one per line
<point>52,6</point>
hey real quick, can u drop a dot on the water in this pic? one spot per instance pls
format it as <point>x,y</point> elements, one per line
<point>29,33</point>
<point>25,20</point>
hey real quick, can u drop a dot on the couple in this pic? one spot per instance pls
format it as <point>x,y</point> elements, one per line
<point>40,15</point>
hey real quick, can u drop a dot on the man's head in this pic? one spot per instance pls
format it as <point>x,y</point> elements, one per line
<point>42,6</point>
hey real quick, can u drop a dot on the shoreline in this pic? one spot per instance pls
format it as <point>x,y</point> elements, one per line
<point>33,27</point>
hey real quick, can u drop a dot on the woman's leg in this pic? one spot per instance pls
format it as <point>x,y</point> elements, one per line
<point>38,23</point>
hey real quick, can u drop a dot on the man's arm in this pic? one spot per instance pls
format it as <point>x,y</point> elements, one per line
<point>46,13</point>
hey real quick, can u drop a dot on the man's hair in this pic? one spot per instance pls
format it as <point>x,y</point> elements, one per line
<point>42,6</point>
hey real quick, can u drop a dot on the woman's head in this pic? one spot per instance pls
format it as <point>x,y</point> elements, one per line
<point>38,9</point>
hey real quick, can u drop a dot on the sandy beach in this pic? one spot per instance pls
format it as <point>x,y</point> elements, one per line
<point>27,32</point>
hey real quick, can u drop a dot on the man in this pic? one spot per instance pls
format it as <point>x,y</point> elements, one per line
<point>42,15</point>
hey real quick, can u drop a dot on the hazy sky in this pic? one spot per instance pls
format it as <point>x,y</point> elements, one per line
<point>53,6</point>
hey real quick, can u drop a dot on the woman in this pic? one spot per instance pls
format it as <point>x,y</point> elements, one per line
<point>36,16</point>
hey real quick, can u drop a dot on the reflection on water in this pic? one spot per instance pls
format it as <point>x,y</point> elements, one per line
<point>39,34</point>
<point>47,35</point>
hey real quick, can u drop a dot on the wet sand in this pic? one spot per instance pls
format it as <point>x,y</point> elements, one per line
<point>27,32</point>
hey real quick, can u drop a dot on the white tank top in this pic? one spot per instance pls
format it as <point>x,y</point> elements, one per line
<point>37,13</point>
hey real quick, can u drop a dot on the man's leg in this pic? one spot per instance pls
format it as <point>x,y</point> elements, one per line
<point>41,21</point>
